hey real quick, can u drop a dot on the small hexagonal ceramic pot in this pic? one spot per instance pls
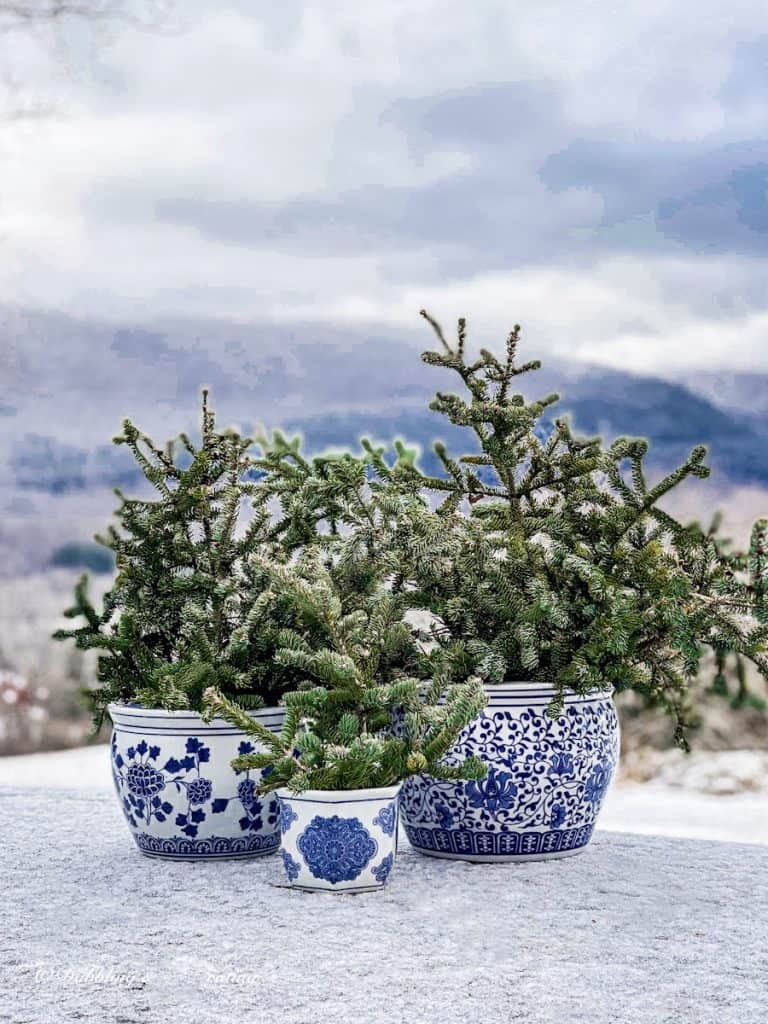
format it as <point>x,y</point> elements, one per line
<point>342,841</point>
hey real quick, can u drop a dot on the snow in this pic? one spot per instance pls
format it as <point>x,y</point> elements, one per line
<point>635,930</point>
<point>657,809</point>
<point>720,772</point>
<point>647,808</point>
<point>82,768</point>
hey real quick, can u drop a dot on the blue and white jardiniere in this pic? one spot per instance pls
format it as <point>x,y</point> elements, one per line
<point>342,841</point>
<point>179,793</point>
<point>545,785</point>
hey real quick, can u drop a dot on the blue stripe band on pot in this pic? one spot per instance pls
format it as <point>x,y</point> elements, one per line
<point>546,780</point>
<point>178,791</point>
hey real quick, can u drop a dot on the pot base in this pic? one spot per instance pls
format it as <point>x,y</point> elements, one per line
<point>215,848</point>
<point>501,847</point>
<point>334,892</point>
<point>501,858</point>
<point>206,856</point>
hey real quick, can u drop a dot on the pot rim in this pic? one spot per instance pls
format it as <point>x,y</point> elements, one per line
<point>525,687</point>
<point>340,796</point>
<point>136,711</point>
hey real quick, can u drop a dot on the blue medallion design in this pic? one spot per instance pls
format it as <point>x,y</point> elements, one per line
<point>386,819</point>
<point>336,849</point>
<point>547,778</point>
<point>292,867</point>
<point>381,873</point>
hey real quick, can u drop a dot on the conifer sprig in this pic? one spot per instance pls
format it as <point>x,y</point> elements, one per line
<point>566,569</point>
<point>355,722</point>
<point>186,610</point>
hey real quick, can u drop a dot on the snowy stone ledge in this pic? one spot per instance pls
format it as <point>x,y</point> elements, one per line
<point>636,929</point>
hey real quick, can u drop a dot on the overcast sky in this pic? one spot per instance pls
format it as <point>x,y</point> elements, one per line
<point>595,171</point>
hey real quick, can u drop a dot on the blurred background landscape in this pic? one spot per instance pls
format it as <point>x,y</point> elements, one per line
<point>259,198</point>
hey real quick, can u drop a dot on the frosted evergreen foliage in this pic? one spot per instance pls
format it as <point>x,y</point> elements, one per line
<point>565,568</point>
<point>184,612</point>
<point>358,720</point>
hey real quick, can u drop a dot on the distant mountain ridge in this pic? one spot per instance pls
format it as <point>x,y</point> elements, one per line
<point>69,383</point>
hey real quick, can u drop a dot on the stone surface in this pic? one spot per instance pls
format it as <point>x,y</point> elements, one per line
<point>636,929</point>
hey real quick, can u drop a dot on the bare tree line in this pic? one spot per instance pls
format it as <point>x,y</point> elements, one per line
<point>17,15</point>
<point>47,20</point>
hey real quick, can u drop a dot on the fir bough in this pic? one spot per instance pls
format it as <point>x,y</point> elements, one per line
<point>185,610</point>
<point>358,719</point>
<point>565,568</point>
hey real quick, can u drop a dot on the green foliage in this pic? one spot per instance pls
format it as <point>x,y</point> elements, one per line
<point>565,567</point>
<point>727,572</point>
<point>357,720</point>
<point>185,611</point>
<point>255,569</point>
<point>327,496</point>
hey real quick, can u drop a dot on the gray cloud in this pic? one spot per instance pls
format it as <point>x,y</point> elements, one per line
<point>700,196</point>
<point>488,215</point>
<point>529,194</point>
<point>351,165</point>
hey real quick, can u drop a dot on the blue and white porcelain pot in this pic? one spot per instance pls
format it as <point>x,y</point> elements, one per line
<point>545,785</point>
<point>179,793</point>
<point>342,841</point>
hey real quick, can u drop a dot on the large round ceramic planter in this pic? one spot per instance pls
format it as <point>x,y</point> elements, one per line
<point>180,795</point>
<point>546,780</point>
<point>339,841</point>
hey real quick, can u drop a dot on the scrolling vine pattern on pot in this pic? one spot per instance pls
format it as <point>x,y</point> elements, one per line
<point>543,773</point>
<point>154,789</point>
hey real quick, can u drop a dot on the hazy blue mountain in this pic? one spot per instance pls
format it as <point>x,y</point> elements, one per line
<point>609,404</point>
<point>66,385</point>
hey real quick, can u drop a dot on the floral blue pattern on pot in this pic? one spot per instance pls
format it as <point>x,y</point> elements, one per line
<point>291,866</point>
<point>153,789</point>
<point>143,780</point>
<point>336,849</point>
<point>287,816</point>
<point>561,765</point>
<point>496,791</point>
<point>547,778</point>
<point>381,873</point>
<point>558,816</point>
